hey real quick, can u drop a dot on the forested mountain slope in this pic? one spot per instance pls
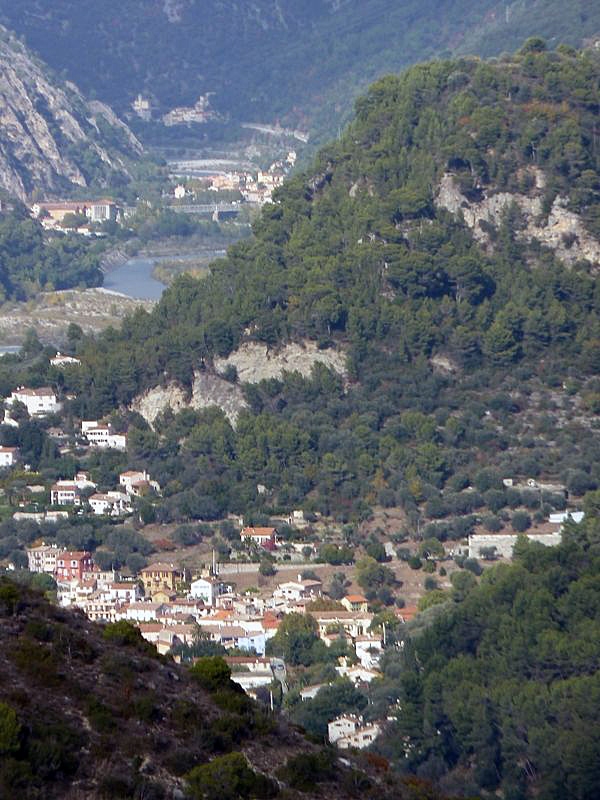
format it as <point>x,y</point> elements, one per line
<point>500,693</point>
<point>298,61</point>
<point>470,334</point>
<point>51,139</point>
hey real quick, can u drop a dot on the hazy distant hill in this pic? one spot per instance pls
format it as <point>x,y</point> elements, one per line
<point>51,138</point>
<point>303,61</point>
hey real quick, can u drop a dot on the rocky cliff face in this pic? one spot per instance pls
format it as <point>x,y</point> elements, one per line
<point>208,390</point>
<point>562,231</point>
<point>50,138</point>
<point>253,362</point>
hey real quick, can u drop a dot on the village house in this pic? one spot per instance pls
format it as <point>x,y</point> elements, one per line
<point>113,504</point>
<point>59,360</point>
<point>64,493</point>
<point>249,605</point>
<point>75,592</point>
<point>163,595</point>
<point>357,674</point>
<point>143,611</point>
<point>138,483</point>
<point>71,564</point>
<point>225,182</point>
<point>236,636</point>
<point>39,402</point>
<point>68,492</point>
<point>405,614</point>
<point>160,576</point>
<point>259,537</point>
<point>150,631</point>
<point>103,436</point>
<point>8,420</point>
<point>200,112</point>
<point>235,631</point>
<point>43,558</point>
<point>560,517</point>
<point>8,456</point>
<point>350,730</point>
<point>351,623</point>
<point>207,590</point>
<point>123,592</point>
<point>297,519</point>
<point>174,635</point>
<point>99,610</point>
<point>194,608</point>
<point>250,672</point>
<point>167,617</point>
<point>355,602</point>
<point>311,691</point>
<point>102,576</point>
<point>302,589</point>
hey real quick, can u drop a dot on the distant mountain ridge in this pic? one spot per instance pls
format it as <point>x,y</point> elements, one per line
<point>301,62</point>
<point>51,138</point>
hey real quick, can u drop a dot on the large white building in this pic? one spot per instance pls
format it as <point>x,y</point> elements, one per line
<point>38,402</point>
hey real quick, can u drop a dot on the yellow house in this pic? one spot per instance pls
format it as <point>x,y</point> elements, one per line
<point>162,596</point>
<point>354,602</point>
<point>160,576</point>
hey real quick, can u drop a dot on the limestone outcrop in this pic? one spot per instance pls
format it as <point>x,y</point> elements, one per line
<point>562,230</point>
<point>253,362</point>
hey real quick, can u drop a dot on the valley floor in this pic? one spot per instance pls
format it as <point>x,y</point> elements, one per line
<point>51,313</point>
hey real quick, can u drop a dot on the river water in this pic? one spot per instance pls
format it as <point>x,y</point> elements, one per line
<point>134,277</point>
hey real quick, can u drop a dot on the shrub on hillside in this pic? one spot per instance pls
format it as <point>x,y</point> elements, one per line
<point>212,673</point>
<point>229,777</point>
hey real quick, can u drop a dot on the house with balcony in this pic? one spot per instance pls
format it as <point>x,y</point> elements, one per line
<point>72,564</point>
<point>38,402</point>
<point>160,576</point>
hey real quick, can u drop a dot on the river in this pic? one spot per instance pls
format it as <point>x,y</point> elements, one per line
<point>134,278</point>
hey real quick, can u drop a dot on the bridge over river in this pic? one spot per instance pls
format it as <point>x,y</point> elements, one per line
<point>207,208</point>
